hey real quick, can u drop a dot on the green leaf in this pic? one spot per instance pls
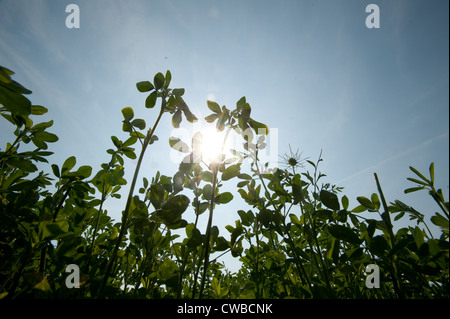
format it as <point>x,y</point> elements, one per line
<point>43,285</point>
<point>376,201</point>
<point>127,127</point>
<point>213,106</point>
<point>128,113</point>
<point>167,79</point>
<point>344,233</point>
<point>55,170</point>
<point>432,173</point>
<point>150,101</point>
<point>345,202</point>
<point>139,123</point>
<point>51,230</point>
<point>207,190</point>
<point>46,136</point>
<point>84,171</point>
<point>440,221</point>
<point>260,128</point>
<point>245,113</point>
<point>13,85</point>
<point>156,195</point>
<point>379,245</point>
<point>69,163</point>
<point>329,199</point>
<point>240,104</point>
<point>190,117</point>
<point>38,110</point>
<point>22,164</point>
<point>171,211</point>
<point>418,236</point>
<point>413,189</point>
<point>178,145</point>
<point>417,181</point>
<point>14,102</point>
<point>211,118</point>
<point>158,80</point>
<point>244,176</point>
<point>144,86</point>
<point>224,198</point>
<point>231,171</point>
<point>176,119</point>
<point>420,175</point>
<point>178,92</point>
<point>365,202</point>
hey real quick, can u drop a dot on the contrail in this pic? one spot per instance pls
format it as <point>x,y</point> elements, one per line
<point>414,148</point>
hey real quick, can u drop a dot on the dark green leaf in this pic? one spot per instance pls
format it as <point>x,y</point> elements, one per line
<point>156,195</point>
<point>55,170</point>
<point>14,102</point>
<point>365,202</point>
<point>345,202</point>
<point>178,92</point>
<point>329,199</point>
<point>22,164</point>
<point>413,189</point>
<point>231,171</point>
<point>46,136</point>
<point>224,198</point>
<point>260,128</point>
<point>144,86</point>
<point>139,123</point>
<point>440,220</point>
<point>150,101</point>
<point>344,233</point>
<point>158,80</point>
<point>207,190</point>
<point>167,79</point>
<point>245,113</point>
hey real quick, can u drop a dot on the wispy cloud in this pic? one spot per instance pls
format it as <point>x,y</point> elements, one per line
<point>396,156</point>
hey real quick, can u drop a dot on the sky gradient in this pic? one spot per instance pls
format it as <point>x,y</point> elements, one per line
<point>373,100</point>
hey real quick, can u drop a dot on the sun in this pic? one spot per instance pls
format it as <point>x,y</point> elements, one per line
<point>214,146</point>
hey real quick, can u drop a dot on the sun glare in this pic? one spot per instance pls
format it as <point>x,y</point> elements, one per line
<point>212,143</point>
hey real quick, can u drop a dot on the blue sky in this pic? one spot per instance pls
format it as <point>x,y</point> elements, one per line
<point>374,100</point>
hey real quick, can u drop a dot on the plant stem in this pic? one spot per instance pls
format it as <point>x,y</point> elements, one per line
<point>387,220</point>
<point>123,228</point>
<point>290,241</point>
<point>208,230</point>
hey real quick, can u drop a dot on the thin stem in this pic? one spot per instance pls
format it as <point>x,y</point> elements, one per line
<point>290,241</point>
<point>208,230</point>
<point>123,228</point>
